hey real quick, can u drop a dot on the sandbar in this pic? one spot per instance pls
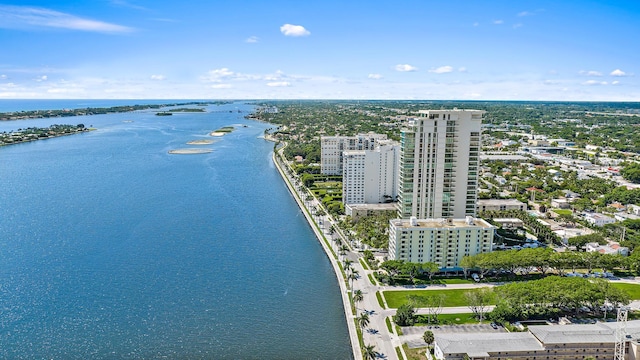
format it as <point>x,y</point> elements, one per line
<point>200,142</point>
<point>217,133</point>
<point>190,151</point>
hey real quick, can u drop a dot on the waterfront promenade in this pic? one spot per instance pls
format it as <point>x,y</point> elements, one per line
<point>376,333</point>
<point>387,343</point>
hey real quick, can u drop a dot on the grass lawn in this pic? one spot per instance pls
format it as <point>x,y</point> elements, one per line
<point>388,322</point>
<point>453,297</point>
<point>562,211</point>
<point>415,354</point>
<point>453,281</point>
<point>371,279</point>
<point>328,184</point>
<point>452,319</point>
<point>632,289</point>
<point>380,302</point>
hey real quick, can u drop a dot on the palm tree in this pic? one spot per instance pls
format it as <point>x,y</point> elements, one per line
<point>343,249</point>
<point>354,275</point>
<point>363,320</point>
<point>347,263</point>
<point>358,296</point>
<point>369,352</point>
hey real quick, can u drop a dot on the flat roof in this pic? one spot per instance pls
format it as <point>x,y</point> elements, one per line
<point>387,206</point>
<point>500,202</point>
<point>441,223</point>
<point>480,344</point>
<point>503,157</point>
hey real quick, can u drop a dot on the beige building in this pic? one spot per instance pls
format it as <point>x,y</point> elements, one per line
<point>500,205</point>
<point>442,241</point>
<point>541,342</point>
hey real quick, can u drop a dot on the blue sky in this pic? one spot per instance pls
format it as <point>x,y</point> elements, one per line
<point>423,49</point>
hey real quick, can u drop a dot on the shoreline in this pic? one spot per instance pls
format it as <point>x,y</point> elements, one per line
<point>346,302</point>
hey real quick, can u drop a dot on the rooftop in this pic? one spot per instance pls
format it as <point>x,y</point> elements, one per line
<point>499,202</point>
<point>442,223</point>
<point>480,344</point>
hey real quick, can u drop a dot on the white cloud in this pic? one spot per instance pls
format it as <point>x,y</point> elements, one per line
<point>405,67</point>
<point>158,77</point>
<point>442,69</point>
<point>550,82</point>
<point>462,69</point>
<point>525,13</point>
<point>252,39</point>
<point>20,17</point>
<point>294,30</point>
<point>615,82</point>
<point>221,86</point>
<point>279,84</point>
<point>498,22</point>
<point>518,25</point>
<point>3,76</point>
<point>375,76</point>
<point>476,24</point>
<point>42,78</point>
<point>594,82</point>
<point>618,72</point>
<point>590,73</point>
<point>218,75</point>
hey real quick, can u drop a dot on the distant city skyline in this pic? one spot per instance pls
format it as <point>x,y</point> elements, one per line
<point>441,50</point>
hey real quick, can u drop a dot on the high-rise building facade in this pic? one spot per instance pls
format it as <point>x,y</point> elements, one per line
<point>333,147</point>
<point>439,161</point>
<point>369,176</point>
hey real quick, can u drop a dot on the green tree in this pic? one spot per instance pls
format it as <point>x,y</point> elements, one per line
<point>369,352</point>
<point>428,337</point>
<point>405,315</point>
<point>363,320</point>
<point>358,296</point>
<point>479,300</point>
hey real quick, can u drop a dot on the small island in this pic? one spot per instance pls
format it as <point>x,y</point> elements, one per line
<point>34,133</point>
<point>164,113</point>
<point>190,151</point>
<point>200,142</point>
<point>222,131</point>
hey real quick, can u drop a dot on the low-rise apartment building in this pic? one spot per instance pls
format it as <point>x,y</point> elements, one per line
<point>442,241</point>
<point>541,342</point>
<point>500,205</point>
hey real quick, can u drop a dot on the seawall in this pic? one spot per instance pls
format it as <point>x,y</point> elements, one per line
<point>353,334</point>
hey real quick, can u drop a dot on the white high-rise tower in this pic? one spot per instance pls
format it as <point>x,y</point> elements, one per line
<point>439,161</point>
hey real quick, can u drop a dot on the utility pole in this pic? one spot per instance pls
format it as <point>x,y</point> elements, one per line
<point>621,332</point>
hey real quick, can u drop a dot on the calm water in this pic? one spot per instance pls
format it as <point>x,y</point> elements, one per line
<point>111,248</point>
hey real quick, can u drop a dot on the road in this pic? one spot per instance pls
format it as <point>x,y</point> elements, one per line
<point>376,332</point>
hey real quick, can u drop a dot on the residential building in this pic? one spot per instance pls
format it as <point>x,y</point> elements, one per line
<point>597,219</point>
<point>356,211</point>
<point>566,342</point>
<point>442,241</point>
<point>509,223</point>
<point>439,161</point>
<point>500,205</point>
<point>369,176</point>
<point>560,203</point>
<point>633,209</point>
<point>612,248</point>
<point>332,148</point>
